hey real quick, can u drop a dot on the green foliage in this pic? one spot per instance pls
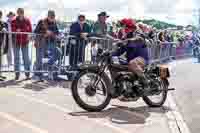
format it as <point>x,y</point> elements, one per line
<point>157,24</point>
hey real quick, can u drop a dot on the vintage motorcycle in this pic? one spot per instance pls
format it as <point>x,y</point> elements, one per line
<point>95,85</point>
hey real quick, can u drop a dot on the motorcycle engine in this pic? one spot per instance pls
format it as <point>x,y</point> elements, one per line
<point>125,85</point>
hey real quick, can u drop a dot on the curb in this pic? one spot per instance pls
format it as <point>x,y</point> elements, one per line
<point>176,121</point>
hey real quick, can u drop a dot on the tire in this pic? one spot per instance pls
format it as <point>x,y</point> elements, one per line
<point>84,105</point>
<point>150,103</point>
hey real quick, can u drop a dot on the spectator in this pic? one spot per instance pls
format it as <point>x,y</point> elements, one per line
<point>80,29</point>
<point>10,17</point>
<point>21,24</point>
<point>161,36</point>
<point>114,30</point>
<point>46,43</point>
<point>100,28</point>
<point>167,36</point>
<point>94,52</point>
<point>3,44</point>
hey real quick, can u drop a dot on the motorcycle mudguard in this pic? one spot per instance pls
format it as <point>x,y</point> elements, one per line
<point>88,67</point>
<point>95,68</point>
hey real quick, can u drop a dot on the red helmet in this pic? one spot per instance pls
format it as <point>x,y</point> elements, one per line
<point>129,23</point>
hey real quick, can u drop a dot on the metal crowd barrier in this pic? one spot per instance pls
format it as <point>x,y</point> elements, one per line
<point>62,54</point>
<point>36,54</point>
<point>162,51</point>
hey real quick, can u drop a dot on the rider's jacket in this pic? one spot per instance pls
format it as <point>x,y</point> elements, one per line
<point>135,48</point>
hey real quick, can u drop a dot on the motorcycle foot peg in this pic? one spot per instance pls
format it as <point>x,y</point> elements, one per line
<point>171,89</point>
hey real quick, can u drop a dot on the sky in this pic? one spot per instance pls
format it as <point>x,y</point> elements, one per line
<point>181,12</point>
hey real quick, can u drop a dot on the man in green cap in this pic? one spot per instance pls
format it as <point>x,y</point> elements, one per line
<point>100,28</point>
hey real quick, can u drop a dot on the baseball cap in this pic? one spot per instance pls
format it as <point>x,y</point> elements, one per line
<point>103,14</point>
<point>51,13</point>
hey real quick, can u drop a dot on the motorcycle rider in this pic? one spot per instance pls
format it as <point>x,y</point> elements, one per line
<point>136,51</point>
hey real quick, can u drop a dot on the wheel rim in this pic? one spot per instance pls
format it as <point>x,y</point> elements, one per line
<point>92,96</point>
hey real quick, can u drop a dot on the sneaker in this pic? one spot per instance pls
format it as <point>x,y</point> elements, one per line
<point>28,78</point>
<point>37,78</point>
<point>17,77</point>
<point>2,77</point>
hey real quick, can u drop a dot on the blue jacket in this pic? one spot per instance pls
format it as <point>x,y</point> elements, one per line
<point>75,29</point>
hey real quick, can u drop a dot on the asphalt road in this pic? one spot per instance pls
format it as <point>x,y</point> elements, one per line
<point>48,107</point>
<point>186,80</point>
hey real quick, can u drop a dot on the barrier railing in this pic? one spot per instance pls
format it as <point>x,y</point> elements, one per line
<point>42,54</point>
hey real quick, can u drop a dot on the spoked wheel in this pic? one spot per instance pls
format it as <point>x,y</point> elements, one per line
<point>159,97</point>
<point>90,91</point>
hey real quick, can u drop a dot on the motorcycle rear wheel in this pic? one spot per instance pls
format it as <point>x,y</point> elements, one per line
<point>148,100</point>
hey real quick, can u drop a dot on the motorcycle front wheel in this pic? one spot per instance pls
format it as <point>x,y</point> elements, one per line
<point>91,90</point>
<point>158,99</point>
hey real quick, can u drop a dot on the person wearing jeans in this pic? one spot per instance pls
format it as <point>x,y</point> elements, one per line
<point>40,53</point>
<point>54,52</point>
<point>21,41</point>
<point>25,57</point>
<point>46,43</point>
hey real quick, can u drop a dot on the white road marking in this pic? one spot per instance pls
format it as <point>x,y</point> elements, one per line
<point>22,123</point>
<point>100,122</point>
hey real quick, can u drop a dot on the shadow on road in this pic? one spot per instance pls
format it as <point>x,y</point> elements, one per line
<point>35,85</point>
<point>124,115</point>
<point>39,86</point>
<point>10,83</point>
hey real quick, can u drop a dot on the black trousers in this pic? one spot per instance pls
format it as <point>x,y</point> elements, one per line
<point>77,53</point>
